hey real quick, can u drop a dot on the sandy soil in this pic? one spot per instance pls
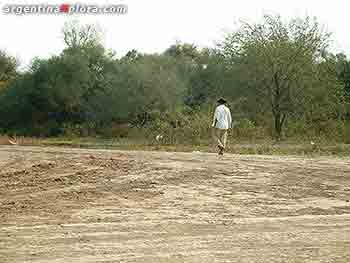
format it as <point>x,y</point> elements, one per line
<point>74,205</point>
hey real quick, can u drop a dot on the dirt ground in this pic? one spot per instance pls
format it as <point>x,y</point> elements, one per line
<point>74,205</point>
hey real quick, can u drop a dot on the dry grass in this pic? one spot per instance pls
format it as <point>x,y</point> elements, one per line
<point>258,148</point>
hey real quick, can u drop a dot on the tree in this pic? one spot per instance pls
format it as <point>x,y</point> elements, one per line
<point>343,72</point>
<point>61,89</point>
<point>8,68</point>
<point>84,46</point>
<point>278,60</point>
<point>342,65</point>
<point>131,56</point>
<point>184,50</point>
<point>209,80</point>
<point>203,72</point>
<point>152,83</point>
<point>77,35</point>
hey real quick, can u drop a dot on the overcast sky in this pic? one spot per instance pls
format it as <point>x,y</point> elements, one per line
<point>151,26</point>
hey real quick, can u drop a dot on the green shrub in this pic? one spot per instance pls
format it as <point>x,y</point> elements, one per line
<point>181,128</point>
<point>329,131</point>
<point>244,129</point>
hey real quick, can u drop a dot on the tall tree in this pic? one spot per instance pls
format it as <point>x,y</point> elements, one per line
<point>278,60</point>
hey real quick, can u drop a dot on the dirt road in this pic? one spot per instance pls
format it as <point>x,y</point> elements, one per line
<point>73,205</point>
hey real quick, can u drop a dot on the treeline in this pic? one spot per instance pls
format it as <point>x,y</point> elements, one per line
<point>279,77</point>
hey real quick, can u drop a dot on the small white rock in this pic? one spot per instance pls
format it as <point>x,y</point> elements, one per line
<point>159,137</point>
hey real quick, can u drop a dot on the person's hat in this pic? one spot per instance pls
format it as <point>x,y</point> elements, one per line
<point>221,101</point>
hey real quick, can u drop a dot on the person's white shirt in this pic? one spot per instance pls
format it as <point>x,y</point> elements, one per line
<point>222,117</point>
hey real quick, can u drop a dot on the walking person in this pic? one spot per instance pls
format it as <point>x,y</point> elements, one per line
<point>221,123</point>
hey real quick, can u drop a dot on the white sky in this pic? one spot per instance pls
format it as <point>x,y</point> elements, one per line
<point>153,25</point>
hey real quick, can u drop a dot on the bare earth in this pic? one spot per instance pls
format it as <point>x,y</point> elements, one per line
<point>74,205</point>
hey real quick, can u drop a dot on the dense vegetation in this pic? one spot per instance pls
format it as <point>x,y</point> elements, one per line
<point>279,77</point>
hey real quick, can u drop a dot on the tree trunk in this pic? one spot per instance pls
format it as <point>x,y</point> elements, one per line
<point>276,102</point>
<point>279,121</point>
